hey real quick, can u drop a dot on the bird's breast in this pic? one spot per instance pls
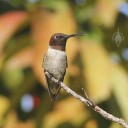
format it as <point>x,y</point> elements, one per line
<point>55,62</point>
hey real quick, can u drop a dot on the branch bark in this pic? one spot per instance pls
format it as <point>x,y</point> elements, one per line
<point>89,103</point>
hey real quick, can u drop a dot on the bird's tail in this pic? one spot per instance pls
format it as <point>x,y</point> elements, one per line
<point>54,96</point>
<point>53,89</point>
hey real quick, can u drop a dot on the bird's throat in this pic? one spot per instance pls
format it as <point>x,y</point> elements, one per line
<point>60,48</point>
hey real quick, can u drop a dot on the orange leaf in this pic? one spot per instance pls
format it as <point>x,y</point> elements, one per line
<point>96,70</point>
<point>9,23</point>
<point>119,79</point>
<point>23,58</point>
<point>66,111</point>
<point>106,11</point>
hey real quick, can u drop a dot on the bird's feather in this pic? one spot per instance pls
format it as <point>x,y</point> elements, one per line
<point>55,63</point>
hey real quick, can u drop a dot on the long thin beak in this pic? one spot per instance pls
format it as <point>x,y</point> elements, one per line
<point>76,34</point>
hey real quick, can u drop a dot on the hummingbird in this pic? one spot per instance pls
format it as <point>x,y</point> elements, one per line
<point>55,62</point>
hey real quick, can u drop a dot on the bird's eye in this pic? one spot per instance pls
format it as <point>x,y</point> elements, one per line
<point>56,37</point>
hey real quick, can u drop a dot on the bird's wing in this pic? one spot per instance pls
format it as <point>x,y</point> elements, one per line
<point>66,62</point>
<point>51,86</point>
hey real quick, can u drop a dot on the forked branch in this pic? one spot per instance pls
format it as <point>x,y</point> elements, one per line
<point>90,103</point>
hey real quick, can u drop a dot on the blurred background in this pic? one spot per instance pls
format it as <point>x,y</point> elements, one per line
<point>97,62</point>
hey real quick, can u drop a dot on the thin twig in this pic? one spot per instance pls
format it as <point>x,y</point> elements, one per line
<point>90,103</point>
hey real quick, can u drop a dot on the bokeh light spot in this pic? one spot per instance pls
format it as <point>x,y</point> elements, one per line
<point>27,103</point>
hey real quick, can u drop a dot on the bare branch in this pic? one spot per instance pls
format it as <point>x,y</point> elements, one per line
<point>90,103</point>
